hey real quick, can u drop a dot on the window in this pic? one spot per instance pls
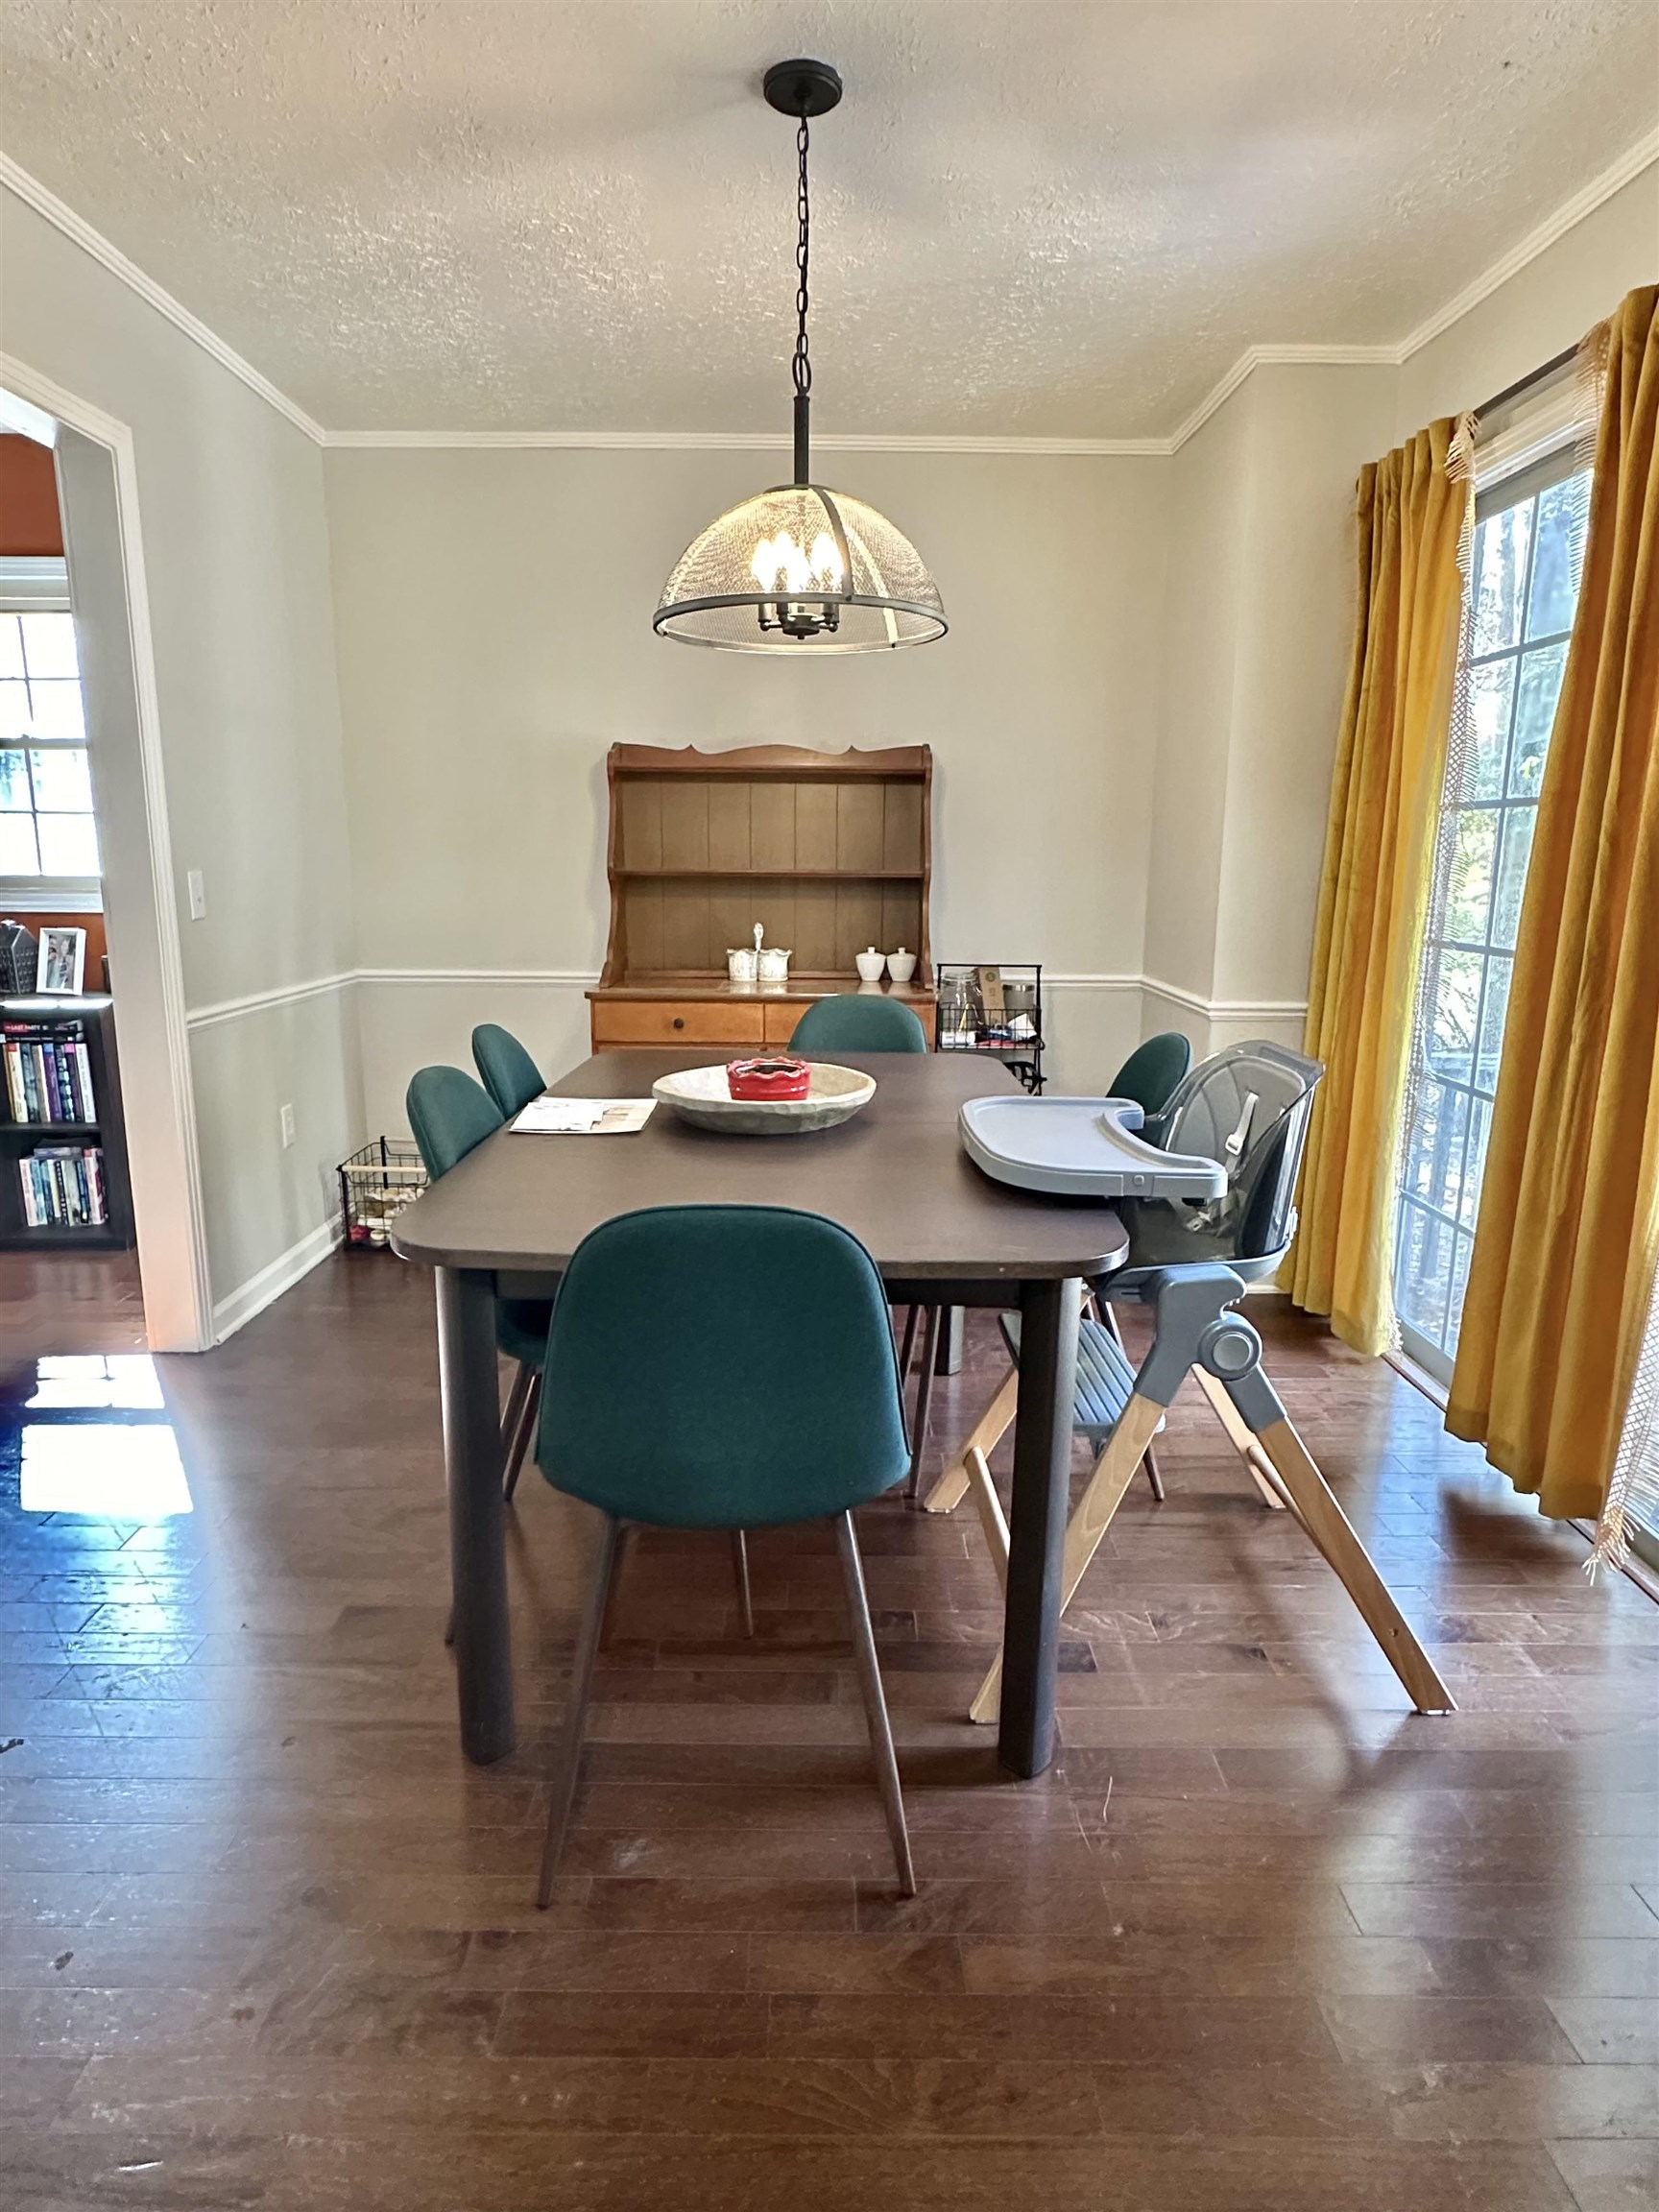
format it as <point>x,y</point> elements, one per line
<point>1529,556</point>
<point>46,825</point>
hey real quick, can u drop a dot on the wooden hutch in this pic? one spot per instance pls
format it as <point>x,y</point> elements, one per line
<point>832,852</point>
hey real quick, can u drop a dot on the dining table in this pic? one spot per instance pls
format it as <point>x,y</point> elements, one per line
<point>506,1220</point>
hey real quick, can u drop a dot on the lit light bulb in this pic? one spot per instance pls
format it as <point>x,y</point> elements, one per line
<point>827,567</point>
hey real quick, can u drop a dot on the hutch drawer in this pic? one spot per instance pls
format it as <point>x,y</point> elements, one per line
<point>686,1022</point>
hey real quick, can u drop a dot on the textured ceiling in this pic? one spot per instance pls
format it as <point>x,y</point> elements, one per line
<point>1031,219</point>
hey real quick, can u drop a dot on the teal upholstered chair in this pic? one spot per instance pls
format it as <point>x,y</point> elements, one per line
<point>858,1021</point>
<point>1150,1073</point>
<point>450,1116</point>
<point>722,1368</point>
<point>505,1069</point>
<point>868,1022</point>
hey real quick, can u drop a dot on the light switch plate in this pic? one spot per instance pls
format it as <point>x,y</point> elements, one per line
<point>287,1126</point>
<point>198,891</point>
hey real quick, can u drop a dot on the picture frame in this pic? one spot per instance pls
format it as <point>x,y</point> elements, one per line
<point>62,964</point>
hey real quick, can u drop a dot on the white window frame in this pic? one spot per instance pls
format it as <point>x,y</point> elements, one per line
<point>40,586</point>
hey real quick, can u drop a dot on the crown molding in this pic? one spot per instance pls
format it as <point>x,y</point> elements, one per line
<point>79,232</point>
<point>1623,171</point>
<point>1629,165</point>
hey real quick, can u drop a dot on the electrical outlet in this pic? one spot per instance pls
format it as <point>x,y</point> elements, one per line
<point>198,891</point>
<point>287,1126</point>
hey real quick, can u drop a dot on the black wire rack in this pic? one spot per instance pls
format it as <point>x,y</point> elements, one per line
<point>993,1008</point>
<point>376,1182</point>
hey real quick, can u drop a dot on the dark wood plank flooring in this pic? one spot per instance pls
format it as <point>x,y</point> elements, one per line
<point>57,1302</point>
<point>1262,1941</point>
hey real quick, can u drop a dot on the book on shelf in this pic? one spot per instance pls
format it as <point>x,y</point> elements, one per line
<point>48,1072</point>
<point>63,1187</point>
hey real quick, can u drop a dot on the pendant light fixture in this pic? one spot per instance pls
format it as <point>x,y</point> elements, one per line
<point>801,568</point>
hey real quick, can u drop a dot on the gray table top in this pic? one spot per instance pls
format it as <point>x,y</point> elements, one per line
<point>896,1176</point>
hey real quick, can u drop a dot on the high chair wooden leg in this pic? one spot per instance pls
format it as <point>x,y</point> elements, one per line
<point>1114,1472</point>
<point>1263,1472</point>
<point>992,1517</point>
<point>988,1431</point>
<point>1326,1523</point>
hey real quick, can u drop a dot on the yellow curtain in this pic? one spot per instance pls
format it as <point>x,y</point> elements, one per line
<point>1378,851</point>
<point>1569,1225</point>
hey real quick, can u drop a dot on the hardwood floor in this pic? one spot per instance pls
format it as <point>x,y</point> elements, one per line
<point>1263,1940</point>
<point>69,1302</point>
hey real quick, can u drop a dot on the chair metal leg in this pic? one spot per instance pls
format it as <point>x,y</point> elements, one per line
<point>923,1400</point>
<point>608,1624</point>
<point>517,1434</point>
<point>570,1756</point>
<point>875,1703</point>
<point>1150,1462</point>
<point>740,1568</point>
<point>912,1313</point>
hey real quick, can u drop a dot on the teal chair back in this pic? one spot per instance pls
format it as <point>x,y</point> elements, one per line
<point>858,1021</point>
<point>509,1074</point>
<point>1152,1070</point>
<point>449,1116</point>
<point>722,1368</point>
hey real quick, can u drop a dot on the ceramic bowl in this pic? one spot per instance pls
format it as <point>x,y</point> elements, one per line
<point>901,964</point>
<point>870,965</point>
<point>702,1096</point>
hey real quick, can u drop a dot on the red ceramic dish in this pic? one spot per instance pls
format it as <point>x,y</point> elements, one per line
<point>769,1078</point>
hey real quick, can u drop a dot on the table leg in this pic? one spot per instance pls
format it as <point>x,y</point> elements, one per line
<point>478,1547</point>
<point>1037,1530</point>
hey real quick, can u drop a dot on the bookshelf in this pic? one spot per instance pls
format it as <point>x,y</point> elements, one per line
<point>70,1045</point>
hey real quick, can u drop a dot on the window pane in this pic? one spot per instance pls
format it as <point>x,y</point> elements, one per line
<point>1423,1134</point>
<point>14,708</point>
<point>1459,1285</point>
<point>1491,688</point>
<point>1501,545</point>
<point>68,845</point>
<point>61,783</point>
<point>1563,512</point>
<point>1492,1013</point>
<point>1541,674</point>
<point>1469,894</point>
<point>13,784</point>
<point>17,853</point>
<point>1445,1164</point>
<point>1474,1158</point>
<point>1512,875</point>
<point>1455,1011</point>
<point>54,710</point>
<point>49,644</point>
<point>11,646</point>
<point>1428,1271</point>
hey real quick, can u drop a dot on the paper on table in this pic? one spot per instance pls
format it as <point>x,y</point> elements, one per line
<point>549,1116</point>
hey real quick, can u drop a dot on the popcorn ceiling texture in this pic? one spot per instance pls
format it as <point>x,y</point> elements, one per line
<point>1030,219</point>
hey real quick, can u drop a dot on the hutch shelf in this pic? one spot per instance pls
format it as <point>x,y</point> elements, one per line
<point>832,852</point>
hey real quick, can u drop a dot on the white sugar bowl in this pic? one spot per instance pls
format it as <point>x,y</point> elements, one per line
<point>901,964</point>
<point>870,965</point>
<point>772,965</point>
<point>740,963</point>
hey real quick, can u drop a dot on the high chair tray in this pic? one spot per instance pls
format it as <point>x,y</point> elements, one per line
<point>1080,1149</point>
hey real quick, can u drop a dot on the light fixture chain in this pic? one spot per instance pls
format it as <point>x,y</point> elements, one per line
<point>802,364</point>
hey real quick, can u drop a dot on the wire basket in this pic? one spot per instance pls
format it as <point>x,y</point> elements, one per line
<point>995,1010</point>
<point>376,1183</point>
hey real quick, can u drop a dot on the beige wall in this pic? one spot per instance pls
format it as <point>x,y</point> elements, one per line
<point>493,618</point>
<point>230,509</point>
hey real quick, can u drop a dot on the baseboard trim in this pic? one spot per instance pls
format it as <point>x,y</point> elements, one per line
<point>265,1287</point>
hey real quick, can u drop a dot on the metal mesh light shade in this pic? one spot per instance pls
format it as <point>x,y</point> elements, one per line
<point>800,568</point>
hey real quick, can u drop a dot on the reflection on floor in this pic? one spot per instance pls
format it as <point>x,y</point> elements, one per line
<point>1261,1941</point>
<point>69,1302</point>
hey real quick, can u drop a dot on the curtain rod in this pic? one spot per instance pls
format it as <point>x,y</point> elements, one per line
<point>1525,383</point>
